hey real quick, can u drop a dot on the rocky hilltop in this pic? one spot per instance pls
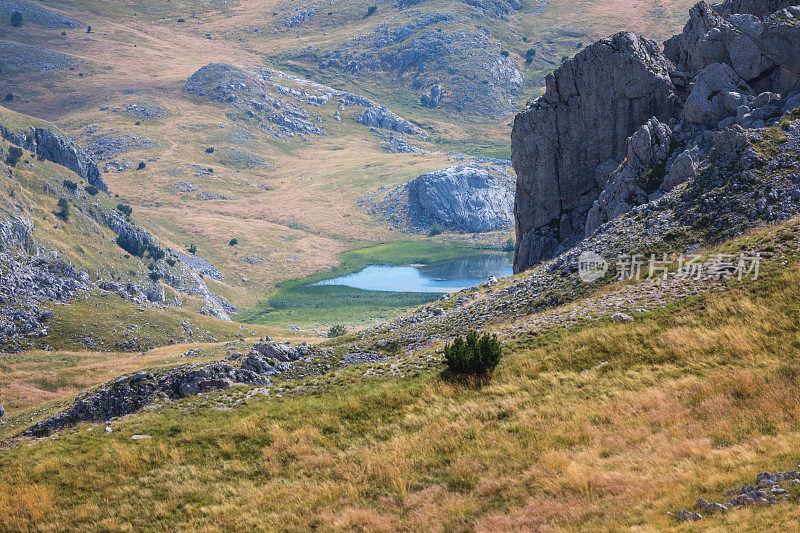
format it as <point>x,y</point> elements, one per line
<point>285,105</point>
<point>625,120</point>
<point>474,197</point>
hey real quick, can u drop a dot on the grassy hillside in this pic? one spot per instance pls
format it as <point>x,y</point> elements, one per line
<point>689,401</point>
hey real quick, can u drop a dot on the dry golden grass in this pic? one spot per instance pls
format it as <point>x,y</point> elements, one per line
<point>689,406</point>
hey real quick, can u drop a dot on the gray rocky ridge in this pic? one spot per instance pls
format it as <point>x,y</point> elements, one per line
<point>53,145</point>
<point>623,122</point>
<point>466,198</point>
<point>474,196</point>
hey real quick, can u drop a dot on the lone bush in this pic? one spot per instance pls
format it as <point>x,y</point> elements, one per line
<point>436,229</point>
<point>92,190</point>
<point>125,209</point>
<point>371,10</point>
<point>337,331</point>
<point>210,150</point>
<point>192,249</point>
<point>473,355</point>
<point>154,276</point>
<point>63,206</point>
<point>141,165</point>
<point>71,185</point>
<point>171,261</point>
<point>155,252</point>
<point>9,97</point>
<point>233,242</point>
<point>14,154</point>
<point>132,245</point>
<point>16,19</point>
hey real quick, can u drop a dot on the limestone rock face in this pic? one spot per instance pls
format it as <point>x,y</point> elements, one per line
<point>706,102</point>
<point>53,145</point>
<point>592,104</point>
<point>633,182</point>
<point>466,198</point>
<point>781,37</point>
<point>621,123</point>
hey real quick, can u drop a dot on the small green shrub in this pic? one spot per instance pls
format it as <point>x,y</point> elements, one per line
<point>63,206</point>
<point>473,355</point>
<point>210,150</point>
<point>233,242</point>
<point>155,252</point>
<point>9,97</point>
<point>192,249</point>
<point>436,229</point>
<point>92,190</point>
<point>371,10</point>
<point>141,166</point>
<point>154,276</point>
<point>337,331</point>
<point>132,245</point>
<point>71,185</point>
<point>125,209</point>
<point>171,261</point>
<point>16,19</point>
<point>14,155</point>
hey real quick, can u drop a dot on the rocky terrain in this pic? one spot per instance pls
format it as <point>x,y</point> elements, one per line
<point>36,14</point>
<point>462,70</point>
<point>618,402</point>
<point>53,145</point>
<point>286,105</point>
<point>624,121</point>
<point>475,197</point>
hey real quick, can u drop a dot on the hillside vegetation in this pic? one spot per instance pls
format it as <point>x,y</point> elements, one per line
<point>689,401</point>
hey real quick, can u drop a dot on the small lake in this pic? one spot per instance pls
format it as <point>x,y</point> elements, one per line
<point>443,277</point>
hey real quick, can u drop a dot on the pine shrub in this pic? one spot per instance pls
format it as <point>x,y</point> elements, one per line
<point>473,355</point>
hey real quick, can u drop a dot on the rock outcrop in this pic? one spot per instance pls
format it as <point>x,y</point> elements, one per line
<point>53,145</point>
<point>579,150</point>
<point>26,283</point>
<point>435,46</point>
<point>463,198</point>
<point>286,105</point>
<point>129,394</point>
<point>475,196</point>
<point>592,104</point>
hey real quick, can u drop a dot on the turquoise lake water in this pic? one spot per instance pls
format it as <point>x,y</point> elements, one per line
<point>442,277</point>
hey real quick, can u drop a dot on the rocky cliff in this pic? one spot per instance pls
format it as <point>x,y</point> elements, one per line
<point>623,121</point>
<point>473,196</point>
<point>55,146</point>
<point>465,198</point>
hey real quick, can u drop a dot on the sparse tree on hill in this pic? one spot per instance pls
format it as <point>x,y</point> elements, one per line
<point>63,206</point>
<point>16,19</point>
